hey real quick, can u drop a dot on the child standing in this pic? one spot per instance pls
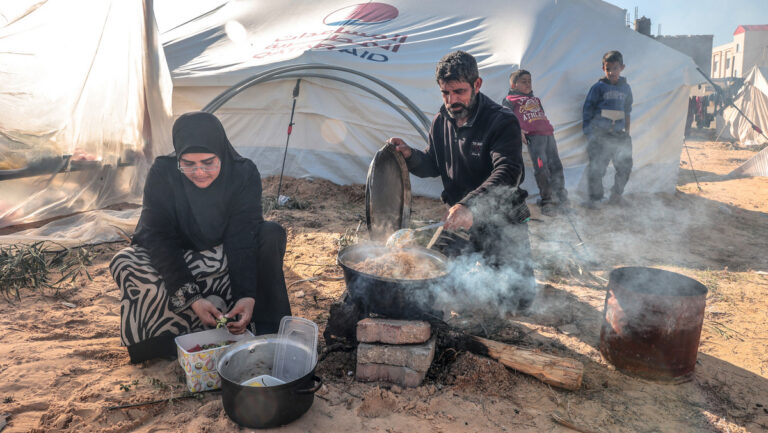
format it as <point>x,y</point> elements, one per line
<point>606,125</point>
<point>538,134</point>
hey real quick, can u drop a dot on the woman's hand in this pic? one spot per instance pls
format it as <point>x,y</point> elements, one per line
<point>243,307</point>
<point>206,311</point>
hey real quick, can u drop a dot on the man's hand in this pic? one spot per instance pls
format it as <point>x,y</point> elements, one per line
<point>525,140</point>
<point>400,146</point>
<point>206,311</point>
<point>459,217</point>
<point>243,307</point>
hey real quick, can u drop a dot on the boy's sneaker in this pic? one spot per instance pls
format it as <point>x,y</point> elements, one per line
<point>617,200</point>
<point>548,209</point>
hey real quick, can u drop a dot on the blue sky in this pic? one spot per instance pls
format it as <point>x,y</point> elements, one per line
<point>698,17</point>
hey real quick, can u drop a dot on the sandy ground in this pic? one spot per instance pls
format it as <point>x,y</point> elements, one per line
<point>62,367</point>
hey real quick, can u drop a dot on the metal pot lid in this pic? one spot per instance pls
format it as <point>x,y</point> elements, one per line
<point>387,194</point>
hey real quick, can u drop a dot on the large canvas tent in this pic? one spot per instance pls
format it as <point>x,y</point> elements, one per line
<point>97,85</point>
<point>752,100</point>
<point>339,126</point>
<point>84,105</point>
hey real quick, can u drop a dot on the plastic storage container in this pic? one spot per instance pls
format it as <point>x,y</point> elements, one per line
<point>296,352</point>
<point>200,366</point>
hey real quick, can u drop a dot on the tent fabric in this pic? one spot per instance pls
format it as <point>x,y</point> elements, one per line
<point>752,100</point>
<point>86,89</point>
<point>339,128</point>
<point>755,166</point>
<point>87,228</point>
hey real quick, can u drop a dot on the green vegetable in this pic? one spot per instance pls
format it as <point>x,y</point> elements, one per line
<point>222,321</point>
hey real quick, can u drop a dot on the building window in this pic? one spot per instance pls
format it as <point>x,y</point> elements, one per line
<point>714,67</point>
<point>727,63</point>
<point>737,48</point>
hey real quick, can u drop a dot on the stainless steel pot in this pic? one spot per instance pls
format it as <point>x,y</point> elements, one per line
<point>262,407</point>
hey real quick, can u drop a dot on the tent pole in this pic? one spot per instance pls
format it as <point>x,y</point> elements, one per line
<point>287,139</point>
<point>721,131</point>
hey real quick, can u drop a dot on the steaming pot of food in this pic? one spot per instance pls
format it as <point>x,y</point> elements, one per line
<point>396,282</point>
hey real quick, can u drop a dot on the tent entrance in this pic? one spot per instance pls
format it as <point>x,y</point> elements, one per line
<point>416,118</point>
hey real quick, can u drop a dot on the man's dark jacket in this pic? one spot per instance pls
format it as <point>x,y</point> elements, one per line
<point>484,153</point>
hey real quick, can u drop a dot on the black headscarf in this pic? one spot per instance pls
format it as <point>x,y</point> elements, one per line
<point>201,132</point>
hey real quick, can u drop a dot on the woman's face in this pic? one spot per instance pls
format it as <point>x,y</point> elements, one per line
<point>200,168</point>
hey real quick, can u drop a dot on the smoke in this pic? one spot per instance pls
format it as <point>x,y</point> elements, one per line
<point>491,274</point>
<point>659,230</point>
<point>493,270</point>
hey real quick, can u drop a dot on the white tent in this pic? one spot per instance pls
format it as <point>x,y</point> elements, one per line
<point>752,100</point>
<point>87,79</point>
<point>339,127</point>
<point>84,105</point>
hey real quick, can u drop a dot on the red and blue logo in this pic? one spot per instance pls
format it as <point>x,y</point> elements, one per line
<point>362,14</point>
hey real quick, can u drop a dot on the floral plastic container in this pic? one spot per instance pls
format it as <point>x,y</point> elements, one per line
<point>200,366</point>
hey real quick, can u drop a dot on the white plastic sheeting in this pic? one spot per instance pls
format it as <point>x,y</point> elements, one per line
<point>339,128</point>
<point>752,100</point>
<point>88,228</point>
<point>81,80</point>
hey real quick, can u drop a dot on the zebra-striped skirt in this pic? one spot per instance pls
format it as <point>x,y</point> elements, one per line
<point>144,306</point>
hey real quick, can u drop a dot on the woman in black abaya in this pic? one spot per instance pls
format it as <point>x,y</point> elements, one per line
<point>201,249</point>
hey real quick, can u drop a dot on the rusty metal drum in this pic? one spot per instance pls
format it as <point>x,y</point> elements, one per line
<point>652,322</point>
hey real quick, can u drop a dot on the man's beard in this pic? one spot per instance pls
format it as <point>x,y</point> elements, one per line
<point>465,110</point>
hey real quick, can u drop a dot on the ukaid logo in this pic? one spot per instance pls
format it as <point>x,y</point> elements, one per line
<point>362,14</point>
<point>371,46</point>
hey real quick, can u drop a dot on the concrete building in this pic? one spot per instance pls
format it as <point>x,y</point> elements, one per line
<point>748,48</point>
<point>698,47</point>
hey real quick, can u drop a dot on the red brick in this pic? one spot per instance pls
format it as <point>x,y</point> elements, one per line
<point>398,375</point>
<point>417,357</point>
<point>390,331</point>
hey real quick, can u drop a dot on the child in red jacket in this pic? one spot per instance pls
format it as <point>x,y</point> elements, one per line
<point>538,134</point>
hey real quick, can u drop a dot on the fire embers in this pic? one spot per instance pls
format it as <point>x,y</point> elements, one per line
<point>652,322</point>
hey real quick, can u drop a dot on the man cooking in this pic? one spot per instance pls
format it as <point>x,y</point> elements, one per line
<point>475,147</point>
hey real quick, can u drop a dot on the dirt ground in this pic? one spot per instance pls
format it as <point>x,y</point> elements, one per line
<point>62,366</point>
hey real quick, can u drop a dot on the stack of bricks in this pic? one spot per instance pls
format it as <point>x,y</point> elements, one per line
<point>395,351</point>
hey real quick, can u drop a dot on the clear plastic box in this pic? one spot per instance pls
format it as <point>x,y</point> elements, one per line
<point>296,352</point>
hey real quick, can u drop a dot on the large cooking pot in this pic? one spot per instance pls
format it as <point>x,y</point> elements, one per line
<point>652,322</point>
<point>391,297</point>
<point>262,407</point>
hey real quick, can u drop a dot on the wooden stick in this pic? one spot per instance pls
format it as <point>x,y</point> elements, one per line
<point>560,419</point>
<point>434,237</point>
<point>557,371</point>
